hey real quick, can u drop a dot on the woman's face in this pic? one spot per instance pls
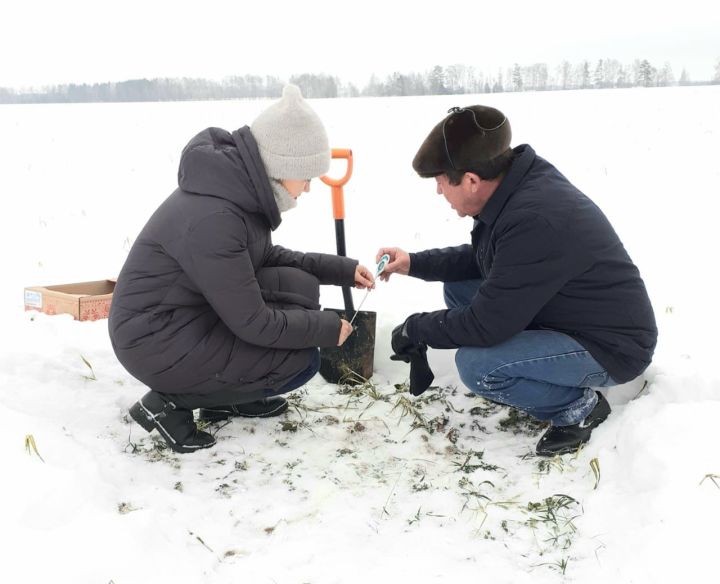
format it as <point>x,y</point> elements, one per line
<point>296,186</point>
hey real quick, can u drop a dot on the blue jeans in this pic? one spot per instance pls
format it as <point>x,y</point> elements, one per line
<point>545,373</point>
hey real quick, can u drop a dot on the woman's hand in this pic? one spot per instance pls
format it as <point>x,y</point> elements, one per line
<point>345,330</point>
<point>363,277</point>
<point>399,262</point>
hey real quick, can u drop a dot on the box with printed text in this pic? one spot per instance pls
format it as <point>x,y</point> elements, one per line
<point>83,300</point>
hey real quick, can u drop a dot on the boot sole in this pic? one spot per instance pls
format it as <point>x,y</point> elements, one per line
<point>213,416</point>
<point>142,416</point>
<point>561,451</point>
<point>602,415</point>
<point>568,449</point>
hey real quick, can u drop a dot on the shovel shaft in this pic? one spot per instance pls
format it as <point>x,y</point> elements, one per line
<point>340,241</point>
<point>347,297</point>
<point>338,203</point>
<point>340,237</point>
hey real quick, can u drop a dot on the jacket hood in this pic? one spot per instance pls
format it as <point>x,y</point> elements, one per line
<point>217,163</point>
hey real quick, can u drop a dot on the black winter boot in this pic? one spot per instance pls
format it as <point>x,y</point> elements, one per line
<point>264,408</point>
<point>155,412</point>
<point>566,439</point>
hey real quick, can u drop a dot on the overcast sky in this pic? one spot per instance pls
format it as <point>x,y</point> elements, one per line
<point>62,41</point>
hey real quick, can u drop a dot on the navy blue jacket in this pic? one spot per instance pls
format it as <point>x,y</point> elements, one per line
<point>548,259</point>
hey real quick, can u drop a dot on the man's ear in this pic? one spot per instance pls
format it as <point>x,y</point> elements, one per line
<point>472,181</point>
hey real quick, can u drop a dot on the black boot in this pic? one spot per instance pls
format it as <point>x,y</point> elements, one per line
<point>566,439</point>
<point>264,408</point>
<point>155,412</point>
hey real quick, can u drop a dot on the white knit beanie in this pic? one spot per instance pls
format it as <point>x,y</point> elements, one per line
<point>291,138</point>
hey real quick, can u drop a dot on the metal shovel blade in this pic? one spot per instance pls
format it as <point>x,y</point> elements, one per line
<point>352,363</point>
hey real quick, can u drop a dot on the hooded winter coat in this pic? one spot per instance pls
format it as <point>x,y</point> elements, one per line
<point>205,302</point>
<point>548,259</point>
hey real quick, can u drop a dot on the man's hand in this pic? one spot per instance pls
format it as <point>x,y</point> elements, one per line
<point>421,376</point>
<point>345,330</point>
<point>399,262</point>
<point>364,278</point>
<point>401,344</point>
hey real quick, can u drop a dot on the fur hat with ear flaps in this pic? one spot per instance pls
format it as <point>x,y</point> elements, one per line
<point>466,138</point>
<point>291,138</point>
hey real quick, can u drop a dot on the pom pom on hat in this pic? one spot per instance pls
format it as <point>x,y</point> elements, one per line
<point>291,138</point>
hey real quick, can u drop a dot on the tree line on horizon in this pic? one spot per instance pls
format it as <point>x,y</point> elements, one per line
<point>448,80</point>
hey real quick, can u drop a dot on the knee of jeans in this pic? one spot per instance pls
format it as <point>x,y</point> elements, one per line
<point>475,368</point>
<point>600,379</point>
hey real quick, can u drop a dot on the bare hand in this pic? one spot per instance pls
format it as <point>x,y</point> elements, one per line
<point>364,278</point>
<point>399,262</point>
<point>345,330</point>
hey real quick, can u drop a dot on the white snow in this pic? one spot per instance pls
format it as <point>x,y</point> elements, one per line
<point>361,490</point>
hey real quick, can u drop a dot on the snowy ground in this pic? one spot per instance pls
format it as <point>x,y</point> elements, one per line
<point>367,483</point>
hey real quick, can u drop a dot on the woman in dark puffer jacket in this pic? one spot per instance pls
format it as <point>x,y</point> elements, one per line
<point>207,312</point>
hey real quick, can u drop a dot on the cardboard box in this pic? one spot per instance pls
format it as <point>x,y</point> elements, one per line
<point>84,300</point>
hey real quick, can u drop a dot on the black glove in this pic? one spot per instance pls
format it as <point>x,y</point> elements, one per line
<point>421,376</point>
<point>401,344</point>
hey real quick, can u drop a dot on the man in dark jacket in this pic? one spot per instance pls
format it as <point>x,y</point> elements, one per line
<point>544,305</point>
<point>207,312</point>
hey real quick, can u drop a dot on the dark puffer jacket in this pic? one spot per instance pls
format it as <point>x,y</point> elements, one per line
<point>548,259</point>
<point>205,302</point>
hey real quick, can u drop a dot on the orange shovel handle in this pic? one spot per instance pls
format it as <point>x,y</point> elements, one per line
<point>338,198</point>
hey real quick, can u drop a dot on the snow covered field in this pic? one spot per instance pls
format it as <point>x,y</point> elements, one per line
<point>365,484</point>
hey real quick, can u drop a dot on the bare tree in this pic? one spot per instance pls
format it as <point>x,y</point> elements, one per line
<point>599,80</point>
<point>645,74</point>
<point>614,74</point>
<point>455,78</point>
<point>665,76</point>
<point>565,71</point>
<point>538,76</point>
<point>474,80</point>
<point>582,75</point>
<point>517,78</point>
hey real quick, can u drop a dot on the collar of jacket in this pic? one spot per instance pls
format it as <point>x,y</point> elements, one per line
<point>524,157</point>
<point>247,146</point>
